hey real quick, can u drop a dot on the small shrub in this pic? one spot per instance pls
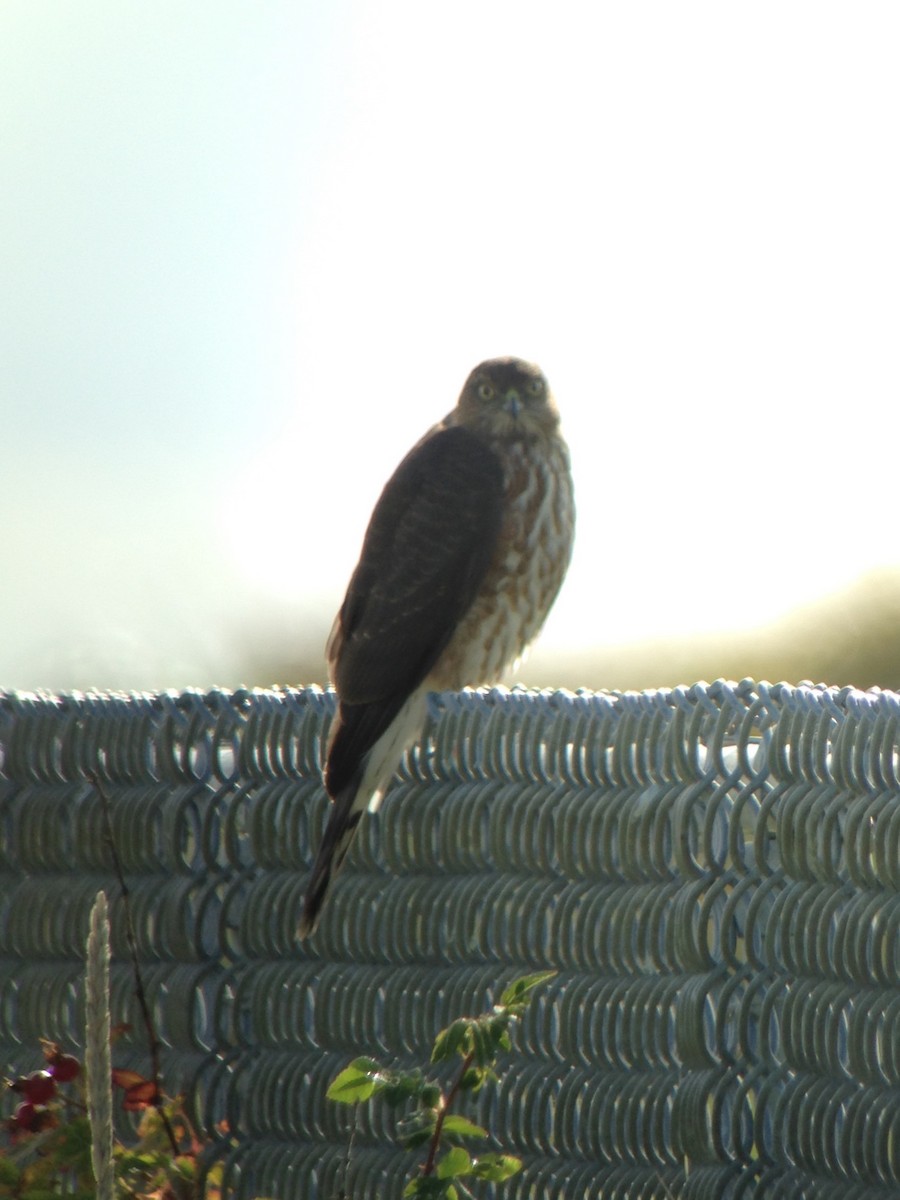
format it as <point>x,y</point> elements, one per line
<point>477,1042</point>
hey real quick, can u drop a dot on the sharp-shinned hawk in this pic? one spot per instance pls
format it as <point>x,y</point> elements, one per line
<point>465,552</point>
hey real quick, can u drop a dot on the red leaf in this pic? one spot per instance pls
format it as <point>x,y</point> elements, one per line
<point>141,1096</point>
<point>140,1092</point>
<point>127,1079</point>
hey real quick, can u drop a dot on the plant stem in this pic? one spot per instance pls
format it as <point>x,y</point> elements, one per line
<point>97,1063</point>
<point>428,1169</point>
<point>136,967</point>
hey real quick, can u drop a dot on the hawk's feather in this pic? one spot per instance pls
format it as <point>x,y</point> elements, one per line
<point>429,543</point>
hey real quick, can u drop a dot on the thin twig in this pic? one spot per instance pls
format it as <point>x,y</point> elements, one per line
<point>139,991</point>
<point>428,1169</point>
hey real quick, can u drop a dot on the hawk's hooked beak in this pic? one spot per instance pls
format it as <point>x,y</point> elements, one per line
<point>512,403</point>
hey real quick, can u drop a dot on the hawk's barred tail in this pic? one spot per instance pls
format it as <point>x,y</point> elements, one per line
<point>358,770</point>
<point>339,832</point>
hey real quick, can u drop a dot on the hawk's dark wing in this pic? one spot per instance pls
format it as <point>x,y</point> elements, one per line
<point>426,551</point>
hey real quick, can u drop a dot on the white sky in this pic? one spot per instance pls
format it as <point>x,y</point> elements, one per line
<point>249,252</point>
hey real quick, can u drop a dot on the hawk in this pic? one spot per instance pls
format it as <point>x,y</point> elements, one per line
<point>465,552</point>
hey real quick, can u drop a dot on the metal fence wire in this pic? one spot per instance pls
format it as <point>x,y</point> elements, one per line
<point>713,872</point>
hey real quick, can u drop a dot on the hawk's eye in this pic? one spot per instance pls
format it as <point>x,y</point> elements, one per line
<point>486,391</point>
<point>535,387</point>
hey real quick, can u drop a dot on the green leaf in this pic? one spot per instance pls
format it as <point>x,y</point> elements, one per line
<point>514,996</point>
<point>9,1172</point>
<point>495,1167</point>
<point>430,1187</point>
<point>356,1082</point>
<point>454,1163</point>
<point>454,1039</point>
<point>457,1126</point>
<point>430,1096</point>
<point>499,1028</point>
<point>142,1160</point>
<point>483,1043</point>
<point>403,1087</point>
<point>472,1080</point>
<point>184,1166</point>
<point>476,1077</point>
<point>417,1129</point>
<point>412,1141</point>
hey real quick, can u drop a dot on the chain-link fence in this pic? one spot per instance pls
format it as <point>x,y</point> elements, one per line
<point>713,872</point>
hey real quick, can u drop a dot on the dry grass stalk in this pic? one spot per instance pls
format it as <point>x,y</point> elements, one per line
<point>98,1062</point>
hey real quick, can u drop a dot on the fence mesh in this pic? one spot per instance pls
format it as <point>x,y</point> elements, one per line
<point>713,872</point>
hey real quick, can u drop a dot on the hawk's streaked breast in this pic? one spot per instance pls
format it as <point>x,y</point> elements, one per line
<point>525,573</point>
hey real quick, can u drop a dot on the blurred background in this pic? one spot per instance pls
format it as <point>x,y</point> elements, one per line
<point>250,250</point>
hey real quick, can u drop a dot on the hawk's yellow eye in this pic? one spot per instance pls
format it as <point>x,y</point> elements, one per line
<point>486,391</point>
<point>535,387</point>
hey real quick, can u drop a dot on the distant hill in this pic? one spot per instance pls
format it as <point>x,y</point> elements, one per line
<point>852,637</point>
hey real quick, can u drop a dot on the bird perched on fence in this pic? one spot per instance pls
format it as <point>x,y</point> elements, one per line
<point>465,552</point>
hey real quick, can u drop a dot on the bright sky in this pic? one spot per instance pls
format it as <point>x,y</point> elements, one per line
<point>249,252</point>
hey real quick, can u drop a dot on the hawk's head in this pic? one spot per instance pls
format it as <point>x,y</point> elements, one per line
<point>508,397</point>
